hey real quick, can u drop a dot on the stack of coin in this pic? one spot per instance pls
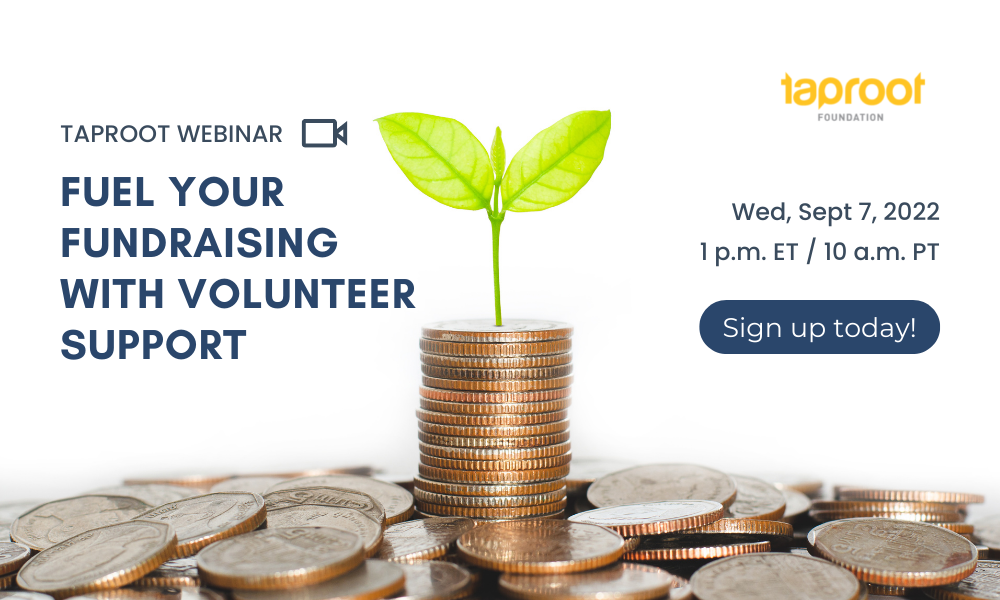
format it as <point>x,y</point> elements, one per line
<point>494,437</point>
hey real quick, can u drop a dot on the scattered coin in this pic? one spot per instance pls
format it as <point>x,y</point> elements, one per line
<point>774,576</point>
<point>279,559</point>
<point>881,506</point>
<point>823,516</point>
<point>810,486</point>
<point>455,452</point>
<point>983,584</point>
<point>895,553</point>
<point>7,581</point>
<point>53,522</point>
<point>493,442</point>
<point>397,502</point>
<point>484,330</point>
<point>372,580</point>
<point>583,471</point>
<point>327,496</point>
<point>200,482</point>
<point>498,362</point>
<point>502,408</point>
<point>24,595</point>
<point>489,501</point>
<point>796,504</point>
<point>655,483</point>
<point>988,532</point>
<point>424,539</point>
<point>345,519</point>
<point>540,546</point>
<point>682,546</point>
<point>12,556</point>
<point>456,476</point>
<point>770,530</point>
<point>102,558</point>
<point>207,518</point>
<point>495,350</point>
<point>152,494</point>
<point>256,485</point>
<point>491,420</point>
<point>155,593</point>
<point>176,573</point>
<point>622,581</point>
<point>435,580</point>
<point>756,499</point>
<point>653,518</point>
<point>488,490</point>
<point>851,493</point>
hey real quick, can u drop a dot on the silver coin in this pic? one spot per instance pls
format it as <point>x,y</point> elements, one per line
<point>796,504</point>
<point>397,502</point>
<point>152,494</point>
<point>755,499</point>
<point>54,522</point>
<point>12,556</point>
<point>423,539</point>
<point>372,579</point>
<point>202,520</point>
<point>13,510</point>
<point>327,496</point>
<point>773,576</point>
<point>655,483</point>
<point>345,519</point>
<point>179,572</point>
<point>155,593</point>
<point>435,580</point>
<point>256,485</point>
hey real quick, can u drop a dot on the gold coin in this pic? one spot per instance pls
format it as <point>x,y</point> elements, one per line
<point>395,500</point>
<point>494,453</point>
<point>746,527</point>
<point>499,362</point>
<point>201,482</point>
<point>656,483</point>
<point>455,476</point>
<point>959,528</point>
<point>494,397</point>
<point>796,504</point>
<point>895,553</point>
<point>756,499</point>
<point>179,572</point>
<point>880,506</point>
<point>515,386</point>
<point>663,548</point>
<point>12,556</point>
<point>504,432</point>
<point>484,330</point>
<point>540,546</point>
<point>208,518</point>
<point>372,580</point>
<point>471,512</point>
<point>502,350</point>
<point>983,584</point>
<point>505,408</point>
<point>502,464</point>
<point>436,580</point>
<point>493,442</point>
<point>623,581</point>
<point>489,501</point>
<point>497,374</point>
<point>775,576</point>
<point>504,489</point>
<point>652,518</point>
<point>103,558</point>
<point>835,515</point>
<point>501,420</point>
<point>851,493</point>
<point>423,539</point>
<point>46,525</point>
<point>273,559</point>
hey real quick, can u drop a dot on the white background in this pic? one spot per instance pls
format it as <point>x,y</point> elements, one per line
<point>699,122</point>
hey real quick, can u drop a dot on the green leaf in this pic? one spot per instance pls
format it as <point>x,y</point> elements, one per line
<point>556,163</point>
<point>498,155</point>
<point>440,157</point>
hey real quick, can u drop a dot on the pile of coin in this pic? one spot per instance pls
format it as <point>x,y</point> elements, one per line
<point>493,427</point>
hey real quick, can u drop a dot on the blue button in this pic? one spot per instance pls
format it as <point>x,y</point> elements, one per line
<point>819,327</point>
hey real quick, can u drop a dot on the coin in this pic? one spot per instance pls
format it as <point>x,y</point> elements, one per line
<point>773,576</point>
<point>880,506</point>
<point>207,518</point>
<point>7,581</point>
<point>13,510</point>
<point>489,501</point>
<point>655,483</point>
<point>282,558</point>
<point>754,527</point>
<point>495,350</point>
<point>372,580</point>
<point>12,556</point>
<point>472,512</point>
<point>256,485</point>
<point>886,590</point>
<point>988,532</point>
<point>424,539</point>
<point>500,420</point>
<point>494,397</point>
<point>152,494</point>
<point>397,502</point>
<point>756,499</point>
<point>104,557</point>
<point>495,453</point>
<point>845,493</point>
<point>23,595</point>
<point>455,476</point>
<point>484,330</point>
<point>540,546</point>
<point>493,442</point>
<point>201,482</point>
<point>983,584</point>
<point>522,431</point>
<point>329,497</point>
<point>509,386</point>
<point>631,543</point>
<point>504,489</point>
<point>796,504</point>
<point>154,593</point>
<point>652,518</point>
<point>496,362</point>
<point>345,519</point>
<point>895,553</point>
<point>583,471</point>
<point>810,486</point>
<point>360,470</point>
<point>984,551</point>
<point>500,464</point>
<point>435,580</point>
<point>179,572</point>
<point>502,408</point>
<point>617,582</point>
<point>960,528</point>
<point>497,374</point>
<point>823,516</point>
<point>53,522</point>
<point>695,547</point>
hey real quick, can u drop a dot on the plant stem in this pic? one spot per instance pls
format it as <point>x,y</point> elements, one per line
<point>495,220</point>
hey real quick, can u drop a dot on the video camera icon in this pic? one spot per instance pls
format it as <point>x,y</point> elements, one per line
<point>322,133</point>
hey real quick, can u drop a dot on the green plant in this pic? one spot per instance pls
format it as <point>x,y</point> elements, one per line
<point>445,161</point>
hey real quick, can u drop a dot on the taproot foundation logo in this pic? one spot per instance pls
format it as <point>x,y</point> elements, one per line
<point>855,92</point>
